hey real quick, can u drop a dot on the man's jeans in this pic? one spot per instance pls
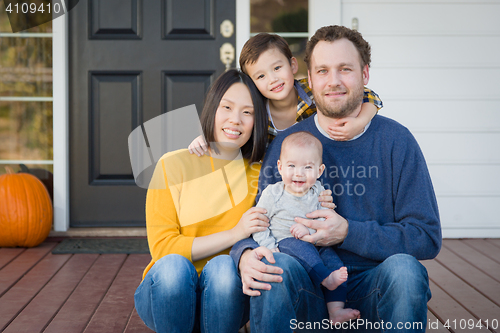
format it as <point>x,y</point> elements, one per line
<point>394,293</point>
<point>172,298</point>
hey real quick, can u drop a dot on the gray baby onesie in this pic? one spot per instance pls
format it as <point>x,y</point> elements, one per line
<point>282,208</point>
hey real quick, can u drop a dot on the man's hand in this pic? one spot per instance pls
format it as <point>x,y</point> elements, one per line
<point>331,231</point>
<point>252,269</point>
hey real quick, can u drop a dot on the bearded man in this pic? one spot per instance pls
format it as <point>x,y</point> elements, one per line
<point>385,221</point>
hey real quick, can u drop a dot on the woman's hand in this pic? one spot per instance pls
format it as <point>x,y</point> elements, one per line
<point>326,199</point>
<point>253,220</point>
<point>198,146</point>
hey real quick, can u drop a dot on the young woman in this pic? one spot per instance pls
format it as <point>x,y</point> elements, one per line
<point>197,208</point>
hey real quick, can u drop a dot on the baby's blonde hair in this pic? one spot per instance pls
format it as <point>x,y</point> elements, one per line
<point>303,139</point>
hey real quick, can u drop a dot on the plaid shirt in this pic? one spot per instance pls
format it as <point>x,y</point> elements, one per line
<point>306,106</point>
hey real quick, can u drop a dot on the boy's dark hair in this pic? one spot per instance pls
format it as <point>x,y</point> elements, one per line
<point>260,43</point>
<point>255,147</point>
<point>335,32</point>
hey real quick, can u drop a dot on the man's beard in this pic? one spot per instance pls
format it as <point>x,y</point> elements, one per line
<point>337,110</point>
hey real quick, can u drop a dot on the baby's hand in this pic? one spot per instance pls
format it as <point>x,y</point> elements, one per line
<point>198,146</point>
<point>299,230</point>
<point>275,250</point>
<point>346,128</point>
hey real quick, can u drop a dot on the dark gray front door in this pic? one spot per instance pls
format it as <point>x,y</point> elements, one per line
<point>130,61</point>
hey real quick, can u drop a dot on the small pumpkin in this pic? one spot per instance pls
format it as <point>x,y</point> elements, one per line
<point>25,210</point>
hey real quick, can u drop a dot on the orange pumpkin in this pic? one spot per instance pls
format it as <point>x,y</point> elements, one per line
<point>25,210</point>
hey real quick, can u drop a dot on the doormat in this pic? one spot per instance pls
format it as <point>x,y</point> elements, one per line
<point>102,246</point>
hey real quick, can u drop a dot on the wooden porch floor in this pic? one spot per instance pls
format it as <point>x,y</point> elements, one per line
<point>42,292</point>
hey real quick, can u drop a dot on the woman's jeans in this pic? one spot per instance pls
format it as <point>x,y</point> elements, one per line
<point>391,296</point>
<point>172,298</point>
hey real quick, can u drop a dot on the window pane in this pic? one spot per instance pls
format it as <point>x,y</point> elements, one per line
<point>5,23</point>
<point>26,130</point>
<point>44,172</point>
<point>4,20</point>
<point>25,66</point>
<point>278,15</point>
<point>298,48</point>
<point>41,170</point>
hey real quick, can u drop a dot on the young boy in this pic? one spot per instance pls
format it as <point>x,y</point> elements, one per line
<point>267,59</point>
<point>300,165</point>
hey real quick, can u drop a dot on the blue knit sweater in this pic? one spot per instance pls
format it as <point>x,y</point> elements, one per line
<point>381,185</point>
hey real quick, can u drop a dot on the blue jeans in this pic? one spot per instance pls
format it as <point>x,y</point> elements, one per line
<point>172,298</point>
<point>319,262</point>
<point>395,291</point>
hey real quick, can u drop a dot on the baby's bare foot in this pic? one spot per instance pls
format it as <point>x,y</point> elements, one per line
<point>335,279</point>
<point>341,315</point>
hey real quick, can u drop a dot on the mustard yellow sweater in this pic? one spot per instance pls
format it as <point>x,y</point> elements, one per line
<point>191,196</point>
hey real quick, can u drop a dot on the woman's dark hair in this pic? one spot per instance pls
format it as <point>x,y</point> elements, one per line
<point>255,147</point>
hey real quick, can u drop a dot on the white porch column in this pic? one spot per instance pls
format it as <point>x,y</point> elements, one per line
<point>60,123</point>
<point>242,26</point>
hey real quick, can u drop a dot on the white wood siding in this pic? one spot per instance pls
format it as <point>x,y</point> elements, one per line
<point>436,66</point>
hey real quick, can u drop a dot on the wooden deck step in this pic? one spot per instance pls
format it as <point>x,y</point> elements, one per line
<point>434,325</point>
<point>41,292</point>
<point>479,307</point>
<point>446,309</point>
<point>75,314</point>
<point>28,287</point>
<point>37,315</point>
<point>485,284</point>
<point>136,325</point>
<point>113,313</point>
<point>485,247</point>
<point>7,254</point>
<point>474,257</point>
<point>15,269</point>
<point>494,242</point>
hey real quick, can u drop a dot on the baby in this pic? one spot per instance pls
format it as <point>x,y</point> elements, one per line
<point>300,165</point>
